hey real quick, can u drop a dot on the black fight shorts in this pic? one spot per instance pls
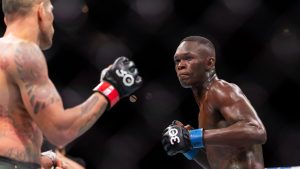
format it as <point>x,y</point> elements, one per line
<point>7,163</point>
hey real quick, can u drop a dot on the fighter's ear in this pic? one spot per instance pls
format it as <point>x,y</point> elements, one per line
<point>211,62</point>
<point>5,20</point>
<point>41,11</point>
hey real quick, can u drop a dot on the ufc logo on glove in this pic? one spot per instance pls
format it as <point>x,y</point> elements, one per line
<point>128,79</point>
<point>173,135</point>
<point>118,80</point>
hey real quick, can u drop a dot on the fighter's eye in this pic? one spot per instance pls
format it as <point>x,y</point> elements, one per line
<point>188,57</point>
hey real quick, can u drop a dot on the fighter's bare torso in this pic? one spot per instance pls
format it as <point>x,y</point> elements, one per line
<point>210,117</point>
<point>20,138</point>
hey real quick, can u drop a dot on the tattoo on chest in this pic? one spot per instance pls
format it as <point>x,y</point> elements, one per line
<point>25,127</point>
<point>4,115</point>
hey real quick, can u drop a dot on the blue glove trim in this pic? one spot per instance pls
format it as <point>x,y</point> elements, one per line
<point>191,154</point>
<point>280,168</point>
<point>196,138</point>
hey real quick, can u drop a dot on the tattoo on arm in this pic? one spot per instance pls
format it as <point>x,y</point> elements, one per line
<point>32,71</point>
<point>86,108</point>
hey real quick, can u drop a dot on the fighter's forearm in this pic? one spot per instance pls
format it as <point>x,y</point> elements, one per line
<point>77,120</point>
<point>238,134</point>
<point>89,112</point>
<point>201,159</point>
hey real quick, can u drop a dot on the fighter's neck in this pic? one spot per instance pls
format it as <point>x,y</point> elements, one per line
<point>23,30</point>
<point>200,90</point>
<point>211,75</point>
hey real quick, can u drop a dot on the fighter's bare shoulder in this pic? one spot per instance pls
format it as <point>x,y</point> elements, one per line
<point>19,47</point>
<point>223,90</point>
<point>26,59</point>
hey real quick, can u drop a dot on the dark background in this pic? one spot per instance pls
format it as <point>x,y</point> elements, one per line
<point>258,48</point>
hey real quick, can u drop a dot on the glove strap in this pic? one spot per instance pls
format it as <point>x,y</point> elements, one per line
<point>109,92</point>
<point>191,154</point>
<point>196,138</point>
<point>51,155</point>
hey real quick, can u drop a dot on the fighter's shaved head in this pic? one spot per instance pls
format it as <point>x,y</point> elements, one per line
<point>18,6</point>
<point>203,41</point>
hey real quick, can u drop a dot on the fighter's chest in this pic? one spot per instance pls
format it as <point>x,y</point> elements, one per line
<point>209,116</point>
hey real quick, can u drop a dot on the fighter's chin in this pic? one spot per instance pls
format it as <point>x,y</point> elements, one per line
<point>184,84</point>
<point>46,41</point>
<point>45,46</point>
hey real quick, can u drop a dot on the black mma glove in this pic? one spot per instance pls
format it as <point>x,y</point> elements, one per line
<point>176,140</point>
<point>119,80</point>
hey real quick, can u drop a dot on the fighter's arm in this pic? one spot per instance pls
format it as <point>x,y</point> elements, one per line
<point>201,159</point>
<point>201,156</point>
<point>245,127</point>
<point>70,163</point>
<point>176,139</point>
<point>43,102</point>
<point>51,159</point>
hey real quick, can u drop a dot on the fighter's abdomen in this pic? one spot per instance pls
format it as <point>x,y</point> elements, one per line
<point>20,137</point>
<point>20,140</point>
<point>221,157</point>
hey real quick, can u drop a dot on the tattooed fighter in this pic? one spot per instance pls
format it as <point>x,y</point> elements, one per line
<point>30,106</point>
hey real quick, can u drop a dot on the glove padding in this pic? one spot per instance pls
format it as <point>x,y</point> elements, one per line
<point>123,75</point>
<point>176,139</point>
<point>119,80</point>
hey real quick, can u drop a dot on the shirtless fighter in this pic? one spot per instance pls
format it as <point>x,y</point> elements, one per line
<point>229,134</point>
<point>30,105</point>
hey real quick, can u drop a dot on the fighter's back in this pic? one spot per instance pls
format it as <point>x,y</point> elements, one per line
<point>20,138</point>
<point>224,110</point>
